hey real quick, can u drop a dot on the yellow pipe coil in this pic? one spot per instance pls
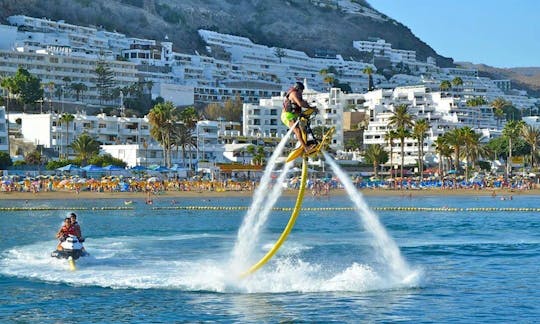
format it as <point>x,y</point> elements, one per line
<point>289,226</point>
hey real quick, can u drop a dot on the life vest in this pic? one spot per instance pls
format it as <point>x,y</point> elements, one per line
<point>289,105</point>
<point>68,230</point>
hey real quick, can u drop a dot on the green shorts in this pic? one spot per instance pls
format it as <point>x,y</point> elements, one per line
<point>287,117</point>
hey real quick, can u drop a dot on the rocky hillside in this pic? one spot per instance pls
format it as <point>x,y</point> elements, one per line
<point>313,26</point>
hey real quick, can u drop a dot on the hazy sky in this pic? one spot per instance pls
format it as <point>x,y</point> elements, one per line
<point>501,33</point>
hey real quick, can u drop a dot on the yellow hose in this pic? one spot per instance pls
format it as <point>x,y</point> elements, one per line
<point>289,226</point>
<point>72,266</point>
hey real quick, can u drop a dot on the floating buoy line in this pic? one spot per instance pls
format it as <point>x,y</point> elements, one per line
<point>220,208</point>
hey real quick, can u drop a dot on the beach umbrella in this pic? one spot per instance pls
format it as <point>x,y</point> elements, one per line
<point>138,168</point>
<point>68,168</point>
<point>161,169</point>
<point>111,167</point>
<point>92,168</point>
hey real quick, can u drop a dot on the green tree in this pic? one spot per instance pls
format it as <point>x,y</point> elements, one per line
<point>531,135</point>
<point>511,132</point>
<point>498,104</point>
<point>389,137</point>
<point>457,81</point>
<point>476,101</point>
<point>189,117</point>
<point>85,147</point>
<point>163,119</point>
<point>375,155</point>
<point>419,133</point>
<point>471,145</point>
<point>401,120</point>
<point>280,53</point>
<point>104,80</point>
<point>183,138</point>
<point>10,87</point>
<point>445,85</point>
<point>106,159</point>
<point>455,139</point>
<point>27,87</point>
<point>512,113</point>
<point>79,89</point>
<point>444,151</point>
<point>35,158</point>
<point>5,160</point>
<point>369,71</point>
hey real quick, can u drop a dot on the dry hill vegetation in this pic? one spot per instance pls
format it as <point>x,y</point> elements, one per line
<point>313,26</point>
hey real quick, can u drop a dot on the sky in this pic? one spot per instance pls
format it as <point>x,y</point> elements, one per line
<point>500,33</point>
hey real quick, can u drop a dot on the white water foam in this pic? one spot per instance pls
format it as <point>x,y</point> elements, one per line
<point>257,213</point>
<point>384,245</point>
<point>124,270</point>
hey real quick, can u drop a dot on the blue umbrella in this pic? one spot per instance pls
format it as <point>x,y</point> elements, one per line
<point>111,167</point>
<point>139,168</point>
<point>161,169</point>
<point>69,167</point>
<point>92,167</point>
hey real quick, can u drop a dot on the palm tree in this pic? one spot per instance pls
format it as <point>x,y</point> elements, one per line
<point>476,101</point>
<point>444,151</point>
<point>376,155</point>
<point>419,133</point>
<point>66,119</point>
<point>445,85</point>
<point>10,86</point>
<point>531,135</point>
<point>389,137</point>
<point>182,137</point>
<point>79,88</point>
<point>369,71</point>
<point>279,52</point>
<point>471,142</point>
<point>162,119</point>
<point>85,147</point>
<point>498,105</point>
<point>457,81</point>
<point>454,138</point>
<point>511,131</point>
<point>402,121</point>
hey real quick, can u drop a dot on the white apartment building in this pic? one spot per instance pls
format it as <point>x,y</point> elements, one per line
<point>284,66</point>
<point>474,86</point>
<point>126,138</point>
<point>379,47</point>
<point>443,112</point>
<point>47,129</point>
<point>4,138</point>
<point>52,68</point>
<point>263,120</point>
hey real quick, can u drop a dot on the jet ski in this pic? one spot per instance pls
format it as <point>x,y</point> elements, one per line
<point>71,248</point>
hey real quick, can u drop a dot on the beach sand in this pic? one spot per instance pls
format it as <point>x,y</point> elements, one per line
<point>68,195</point>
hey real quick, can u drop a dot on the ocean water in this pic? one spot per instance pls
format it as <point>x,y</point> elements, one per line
<point>150,265</point>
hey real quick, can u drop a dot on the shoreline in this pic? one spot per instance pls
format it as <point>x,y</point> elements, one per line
<point>71,195</point>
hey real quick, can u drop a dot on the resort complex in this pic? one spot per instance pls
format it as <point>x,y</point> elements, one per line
<point>93,76</point>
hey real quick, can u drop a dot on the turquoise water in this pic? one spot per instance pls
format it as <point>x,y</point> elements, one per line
<point>172,265</point>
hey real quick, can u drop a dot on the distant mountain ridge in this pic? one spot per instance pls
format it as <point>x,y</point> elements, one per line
<point>524,78</point>
<point>312,26</point>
